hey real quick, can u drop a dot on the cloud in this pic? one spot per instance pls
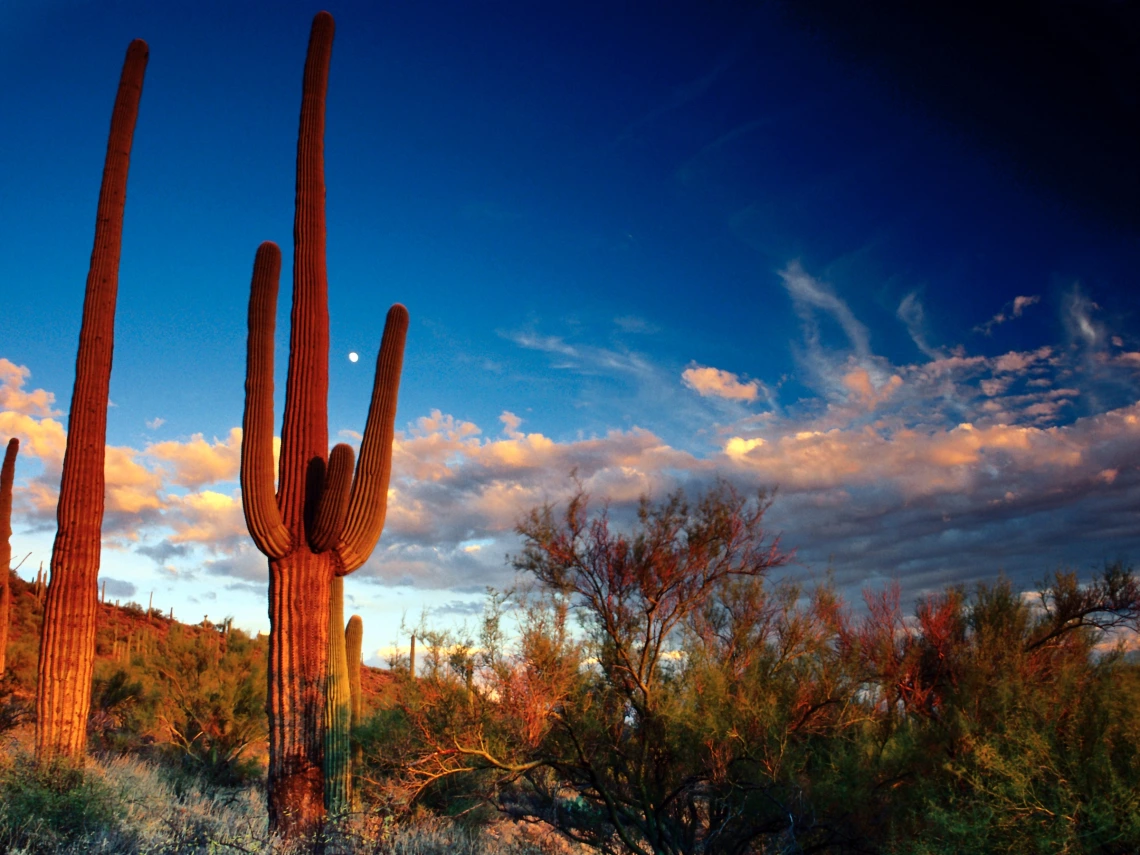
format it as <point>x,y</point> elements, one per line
<point>864,390</point>
<point>809,295</point>
<point>195,463</point>
<point>207,518</point>
<point>1080,322</point>
<point>163,551</point>
<point>912,314</point>
<point>713,382</point>
<point>117,587</point>
<point>511,424</point>
<point>131,487</point>
<point>1009,312</point>
<point>943,469</point>
<point>14,399</point>
<point>155,423</point>
<point>1020,304</point>
<point>634,324</point>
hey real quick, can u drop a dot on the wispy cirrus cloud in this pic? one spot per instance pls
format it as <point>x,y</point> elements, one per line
<point>1010,311</point>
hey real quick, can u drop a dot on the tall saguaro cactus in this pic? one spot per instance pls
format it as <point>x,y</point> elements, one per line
<point>67,643</point>
<point>7,476</point>
<point>322,522</point>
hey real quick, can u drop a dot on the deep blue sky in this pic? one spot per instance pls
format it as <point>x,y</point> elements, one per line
<point>578,205</point>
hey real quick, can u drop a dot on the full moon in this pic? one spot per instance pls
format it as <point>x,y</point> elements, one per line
<point>352,357</point>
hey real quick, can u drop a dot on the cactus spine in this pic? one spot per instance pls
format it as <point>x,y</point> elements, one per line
<point>338,710</point>
<point>7,475</point>
<point>67,644</point>
<point>319,524</point>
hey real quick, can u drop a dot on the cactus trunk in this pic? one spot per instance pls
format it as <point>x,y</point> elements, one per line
<point>338,710</point>
<point>7,475</point>
<point>320,522</point>
<point>67,643</point>
<point>298,589</point>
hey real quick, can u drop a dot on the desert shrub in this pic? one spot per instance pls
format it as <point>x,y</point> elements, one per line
<point>15,706</point>
<point>706,708</point>
<point>122,708</point>
<point>50,808</point>
<point>214,687</point>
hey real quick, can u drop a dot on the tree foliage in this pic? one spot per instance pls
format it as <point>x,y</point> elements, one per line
<point>659,692</point>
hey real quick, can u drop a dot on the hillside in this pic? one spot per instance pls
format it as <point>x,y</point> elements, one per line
<point>158,679</point>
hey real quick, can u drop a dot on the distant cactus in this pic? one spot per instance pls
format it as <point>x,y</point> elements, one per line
<point>67,644</point>
<point>338,710</point>
<point>7,475</point>
<point>320,522</point>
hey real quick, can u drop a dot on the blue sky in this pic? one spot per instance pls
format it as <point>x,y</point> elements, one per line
<point>653,245</point>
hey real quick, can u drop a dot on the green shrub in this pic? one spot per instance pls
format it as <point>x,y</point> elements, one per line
<point>46,809</point>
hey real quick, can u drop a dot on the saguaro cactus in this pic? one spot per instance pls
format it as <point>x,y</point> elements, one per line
<point>7,475</point>
<point>353,641</point>
<point>67,644</point>
<point>321,522</point>
<point>338,710</point>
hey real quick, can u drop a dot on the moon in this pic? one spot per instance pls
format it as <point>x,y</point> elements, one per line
<point>353,356</point>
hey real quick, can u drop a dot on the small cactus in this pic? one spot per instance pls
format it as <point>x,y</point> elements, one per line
<point>67,642</point>
<point>319,521</point>
<point>7,475</point>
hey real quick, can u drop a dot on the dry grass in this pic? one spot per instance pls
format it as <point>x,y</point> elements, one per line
<point>128,806</point>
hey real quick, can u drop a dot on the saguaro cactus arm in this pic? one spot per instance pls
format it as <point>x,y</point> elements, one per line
<point>334,501</point>
<point>262,515</point>
<point>369,502</point>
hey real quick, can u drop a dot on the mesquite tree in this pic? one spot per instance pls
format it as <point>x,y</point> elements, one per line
<point>7,475</point>
<point>321,522</point>
<point>67,644</point>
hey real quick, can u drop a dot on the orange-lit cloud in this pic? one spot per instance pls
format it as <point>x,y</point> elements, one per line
<point>196,462</point>
<point>14,399</point>
<point>713,382</point>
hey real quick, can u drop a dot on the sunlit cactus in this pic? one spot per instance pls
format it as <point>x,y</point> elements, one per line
<point>320,522</point>
<point>338,710</point>
<point>7,476</point>
<point>67,643</point>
